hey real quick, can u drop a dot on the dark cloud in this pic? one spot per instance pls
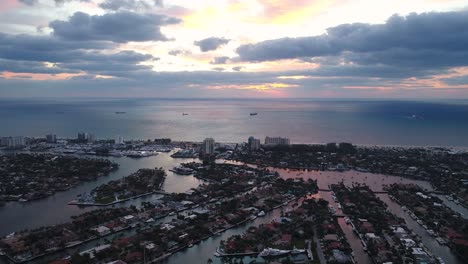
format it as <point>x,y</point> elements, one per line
<point>218,69</point>
<point>178,52</point>
<point>219,60</point>
<point>45,48</point>
<point>238,68</point>
<point>29,2</point>
<point>25,53</point>
<point>130,4</point>
<point>18,66</point>
<point>212,43</point>
<point>430,35</point>
<point>62,2</point>
<point>118,27</point>
<point>121,64</point>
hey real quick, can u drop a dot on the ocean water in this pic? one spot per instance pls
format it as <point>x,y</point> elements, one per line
<point>414,123</point>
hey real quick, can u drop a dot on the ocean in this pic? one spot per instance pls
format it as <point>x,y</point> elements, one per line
<point>364,122</point>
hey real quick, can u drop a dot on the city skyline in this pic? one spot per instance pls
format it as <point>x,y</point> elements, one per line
<point>234,49</point>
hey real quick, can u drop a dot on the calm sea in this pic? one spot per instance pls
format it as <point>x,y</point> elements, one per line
<point>443,123</point>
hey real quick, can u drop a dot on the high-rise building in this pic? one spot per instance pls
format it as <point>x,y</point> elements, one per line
<point>14,142</point>
<point>91,137</point>
<point>276,141</point>
<point>208,146</point>
<point>86,137</point>
<point>51,138</point>
<point>119,140</point>
<point>4,141</point>
<point>254,143</point>
<point>82,136</point>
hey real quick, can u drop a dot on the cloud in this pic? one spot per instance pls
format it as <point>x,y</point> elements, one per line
<point>212,43</point>
<point>62,2</point>
<point>45,48</point>
<point>219,60</point>
<point>178,52</point>
<point>38,54</point>
<point>130,4</point>
<point>238,68</point>
<point>120,27</point>
<point>427,34</point>
<point>29,2</point>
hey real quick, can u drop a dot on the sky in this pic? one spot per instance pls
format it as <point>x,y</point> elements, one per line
<point>399,49</point>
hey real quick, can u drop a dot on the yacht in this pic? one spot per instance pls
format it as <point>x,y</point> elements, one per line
<point>273,252</point>
<point>253,114</point>
<point>262,213</point>
<point>441,240</point>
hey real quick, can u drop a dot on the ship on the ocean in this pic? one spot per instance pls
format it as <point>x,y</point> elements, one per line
<point>253,114</point>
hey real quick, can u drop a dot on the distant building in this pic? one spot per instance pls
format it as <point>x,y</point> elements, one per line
<point>208,146</point>
<point>4,141</point>
<point>163,141</point>
<point>14,142</point>
<point>276,141</point>
<point>119,140</point>
<point>254,143</point>
<point>51,138</point>
<point>91,137</point>
<point>82,136</point>
<point>86,137</point>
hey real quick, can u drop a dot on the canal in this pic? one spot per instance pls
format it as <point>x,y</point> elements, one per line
<point>53,210</point>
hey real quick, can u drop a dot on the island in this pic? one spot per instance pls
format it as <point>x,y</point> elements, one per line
<point>25,177</point>
<point>141,183</point>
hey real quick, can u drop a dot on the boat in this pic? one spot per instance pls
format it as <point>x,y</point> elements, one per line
<point>441,240</point>
<point>182,170</point>
<point>120,112</point>
<point>297,251</point>
<point>347,220</point>
<point>441,261</point>
<point>273,252</point>
<point>253,217</point>
<point>184,114</point>
<point>253,114</point>
<point>261,213</point>
<point>431,232</point>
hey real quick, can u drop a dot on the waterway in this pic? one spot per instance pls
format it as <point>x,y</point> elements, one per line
<point>52,210</point>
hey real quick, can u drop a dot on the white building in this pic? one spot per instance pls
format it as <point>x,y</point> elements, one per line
<point>276,141</point>
<point>208,146</point>
<point>254,143</point>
